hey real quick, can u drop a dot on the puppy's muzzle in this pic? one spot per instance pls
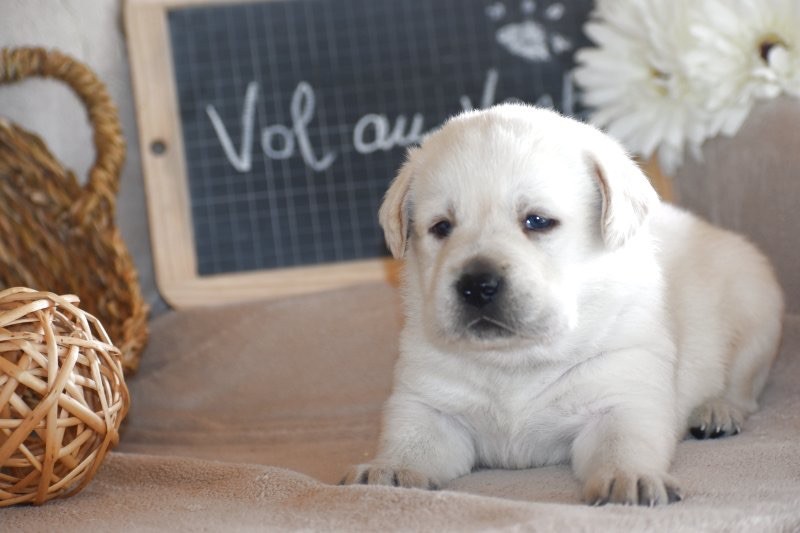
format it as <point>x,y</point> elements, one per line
<point>480,284</point>
<point>479,289</point>
<point>484,310</point>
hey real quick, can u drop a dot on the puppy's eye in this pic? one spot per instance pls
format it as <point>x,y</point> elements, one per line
<point>538,223</point>
<point>441,229</point>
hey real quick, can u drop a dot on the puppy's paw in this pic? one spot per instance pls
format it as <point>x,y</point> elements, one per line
<point>715,418</point>
<point>381,474</point>
<point>631,488</point>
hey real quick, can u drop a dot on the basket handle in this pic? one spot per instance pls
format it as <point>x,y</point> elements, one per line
<point>100,192</point>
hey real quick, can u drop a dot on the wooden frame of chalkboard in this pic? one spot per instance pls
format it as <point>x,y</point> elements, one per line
<point>518,51</point>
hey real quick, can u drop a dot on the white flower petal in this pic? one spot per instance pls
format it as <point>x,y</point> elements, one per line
<point>668,74</point>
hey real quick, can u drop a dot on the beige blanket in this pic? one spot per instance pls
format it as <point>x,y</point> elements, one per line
<point>244,416</point>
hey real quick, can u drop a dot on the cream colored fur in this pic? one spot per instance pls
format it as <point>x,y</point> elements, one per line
<point>621,327</point>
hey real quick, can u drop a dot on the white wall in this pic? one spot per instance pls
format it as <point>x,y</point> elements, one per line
<point>91,31</point>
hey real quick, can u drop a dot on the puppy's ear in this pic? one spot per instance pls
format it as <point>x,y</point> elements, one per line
<point>627,194</point>
<point>393,214</point>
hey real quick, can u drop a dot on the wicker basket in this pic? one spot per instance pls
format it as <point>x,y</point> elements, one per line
<point>62,396</point>
<point>59,236</point>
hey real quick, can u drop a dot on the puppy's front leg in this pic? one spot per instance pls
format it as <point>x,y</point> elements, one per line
<point>420,447</point>
<point>623,457</point>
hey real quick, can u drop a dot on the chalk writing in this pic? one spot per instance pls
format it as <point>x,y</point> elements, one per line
<point>528,39</point>
<point>372,132</point>
<point>242,160</point>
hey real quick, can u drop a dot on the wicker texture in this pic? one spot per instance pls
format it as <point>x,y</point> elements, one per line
<point>62,396</point>
<point>60,236</point>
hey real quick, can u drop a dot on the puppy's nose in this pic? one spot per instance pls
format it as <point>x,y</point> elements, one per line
<point>478,289</point>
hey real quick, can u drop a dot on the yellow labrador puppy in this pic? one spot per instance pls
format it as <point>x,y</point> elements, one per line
<point>557,312</point>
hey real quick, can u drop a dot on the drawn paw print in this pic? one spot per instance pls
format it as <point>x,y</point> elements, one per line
<point>529,38</point>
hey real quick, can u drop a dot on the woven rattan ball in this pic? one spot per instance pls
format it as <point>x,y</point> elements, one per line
<point>62,396</point>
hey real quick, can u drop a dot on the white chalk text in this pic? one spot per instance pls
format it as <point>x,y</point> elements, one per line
<point>371,133</point>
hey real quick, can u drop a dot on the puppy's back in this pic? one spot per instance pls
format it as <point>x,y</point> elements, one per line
<point>725,307</point>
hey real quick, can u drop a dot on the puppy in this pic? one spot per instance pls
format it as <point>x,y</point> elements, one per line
<point>557,311</point>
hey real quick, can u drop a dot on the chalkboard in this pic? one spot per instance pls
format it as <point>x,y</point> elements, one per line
<point>293,115</point>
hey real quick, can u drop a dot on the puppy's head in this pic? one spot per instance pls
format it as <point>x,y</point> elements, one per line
<point>499,213</point>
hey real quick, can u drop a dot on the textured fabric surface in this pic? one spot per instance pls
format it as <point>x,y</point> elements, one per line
<point>296,383</point>
<point>243,417</point>
<point>137,492</point>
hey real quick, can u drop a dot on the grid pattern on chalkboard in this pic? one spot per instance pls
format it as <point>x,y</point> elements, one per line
<point>315,70</point>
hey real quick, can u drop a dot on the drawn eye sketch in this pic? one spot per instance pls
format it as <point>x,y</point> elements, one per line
<point>529,38</point>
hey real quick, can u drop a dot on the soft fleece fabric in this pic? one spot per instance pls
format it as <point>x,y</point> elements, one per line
<point>245,417</point>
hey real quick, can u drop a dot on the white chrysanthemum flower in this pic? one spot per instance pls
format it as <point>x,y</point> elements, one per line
<point>744,50</point>
<point>635,80</point>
